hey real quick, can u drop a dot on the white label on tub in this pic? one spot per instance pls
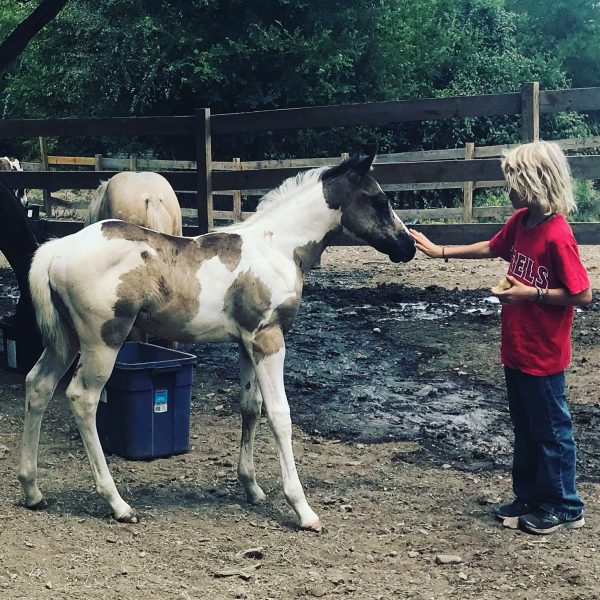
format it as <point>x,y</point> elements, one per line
<point>160,401</point>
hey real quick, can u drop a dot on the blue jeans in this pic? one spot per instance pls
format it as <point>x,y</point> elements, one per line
<point>544,454</point>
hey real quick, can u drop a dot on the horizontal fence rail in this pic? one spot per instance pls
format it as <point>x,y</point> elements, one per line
<point>487,169</point>
<point>374,113</point>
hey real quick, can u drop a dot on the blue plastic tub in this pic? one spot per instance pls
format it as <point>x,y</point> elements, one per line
<point>145,412</point>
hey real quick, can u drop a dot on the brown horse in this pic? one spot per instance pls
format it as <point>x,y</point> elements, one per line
<point>145,199</point>
<point>242,283</point>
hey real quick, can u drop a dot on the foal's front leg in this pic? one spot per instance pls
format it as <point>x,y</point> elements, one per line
<point>269,371</point>
<point>250,404</point>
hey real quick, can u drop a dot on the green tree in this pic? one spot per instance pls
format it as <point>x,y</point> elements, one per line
<point>130,57</point>
<point>568,30</point>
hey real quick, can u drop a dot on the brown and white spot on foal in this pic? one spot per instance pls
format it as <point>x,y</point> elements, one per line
<point>161,295</point>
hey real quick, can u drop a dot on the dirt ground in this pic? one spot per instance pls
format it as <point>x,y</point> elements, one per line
<point>402,441</point>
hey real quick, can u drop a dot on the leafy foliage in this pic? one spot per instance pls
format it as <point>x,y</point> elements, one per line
<point>131,57</point>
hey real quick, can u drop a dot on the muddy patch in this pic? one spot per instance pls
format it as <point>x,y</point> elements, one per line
<point>351,375</point>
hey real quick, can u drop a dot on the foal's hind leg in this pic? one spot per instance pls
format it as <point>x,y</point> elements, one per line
<point>93,370</point>
<point>40,384</point>
<point>250,404</point>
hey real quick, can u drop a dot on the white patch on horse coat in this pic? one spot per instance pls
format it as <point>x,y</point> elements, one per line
<point>12,164</point>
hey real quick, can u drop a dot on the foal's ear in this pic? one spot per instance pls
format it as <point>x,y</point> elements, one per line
<point>364,165</point>
<point>360,168</point>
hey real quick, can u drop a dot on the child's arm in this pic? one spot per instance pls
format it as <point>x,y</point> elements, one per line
<point>519,292</point>
<point>425,245</point>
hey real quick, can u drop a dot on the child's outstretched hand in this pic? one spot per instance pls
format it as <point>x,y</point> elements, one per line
<point>425,245</point>
<point>517,292</point>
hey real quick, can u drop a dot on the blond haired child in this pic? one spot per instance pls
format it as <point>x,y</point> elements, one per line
<point>547,280</point>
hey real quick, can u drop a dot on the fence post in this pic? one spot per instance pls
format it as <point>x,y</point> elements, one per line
<point>468,187</point>
<point>237,195</point>
<point>132,162</point>
<point>98,162</point>
<point>530,112</point>
<point>45,193</point>
<point>204,169</point>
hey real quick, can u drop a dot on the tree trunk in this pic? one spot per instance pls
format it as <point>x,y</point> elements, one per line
<point>17,41</point>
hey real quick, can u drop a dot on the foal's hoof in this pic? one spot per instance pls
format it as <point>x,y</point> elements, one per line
<point>41,505</point>
<point>256,498</point>
<point>129,517</point>
<point>314,526</point>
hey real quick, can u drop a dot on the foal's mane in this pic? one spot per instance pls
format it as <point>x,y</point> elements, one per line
<point>292,187</point>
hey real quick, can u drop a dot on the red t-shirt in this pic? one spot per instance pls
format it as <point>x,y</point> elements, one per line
<point>536,338</point>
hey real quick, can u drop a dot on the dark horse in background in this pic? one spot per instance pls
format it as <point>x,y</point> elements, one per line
<point>18,244</point>
<point>240,284</point>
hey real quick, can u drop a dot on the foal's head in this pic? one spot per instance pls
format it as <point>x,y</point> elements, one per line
<point>366,211</point>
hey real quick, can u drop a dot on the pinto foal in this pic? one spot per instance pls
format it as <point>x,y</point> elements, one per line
<point>241,284</point>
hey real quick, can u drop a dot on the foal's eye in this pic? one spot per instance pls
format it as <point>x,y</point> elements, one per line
<point>380,200</point>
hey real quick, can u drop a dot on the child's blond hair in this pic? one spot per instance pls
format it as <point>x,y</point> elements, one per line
<point>540,174</point>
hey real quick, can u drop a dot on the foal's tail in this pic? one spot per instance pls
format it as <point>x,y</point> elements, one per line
<point>55,331</point>
<point>159,218</point>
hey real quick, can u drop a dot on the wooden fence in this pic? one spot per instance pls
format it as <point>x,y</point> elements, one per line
<point>468,212</point>
<point>434,169</point>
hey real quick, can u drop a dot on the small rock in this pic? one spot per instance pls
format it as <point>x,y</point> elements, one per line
<point>511,522</point>
<point>448,559</point>
<point>347,507</point>
<point>49,585</point>
<point>252,553</point>
<point>488,499</point>
<point>241,593</point>
<point>446,466</point>
<point>317,591</point>
<point>462,576</point>
<point>336,578</point>
<point>376,330</point>
<point>576,579</point>
<point>4,450</point>
<point>413,554</point>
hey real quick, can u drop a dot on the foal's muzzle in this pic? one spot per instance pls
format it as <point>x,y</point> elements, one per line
<point>404,251</point>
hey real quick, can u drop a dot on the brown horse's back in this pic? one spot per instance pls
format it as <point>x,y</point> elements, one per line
<point>145,199</point>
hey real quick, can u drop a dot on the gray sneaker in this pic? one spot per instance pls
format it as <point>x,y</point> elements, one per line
<point>542,522</point>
